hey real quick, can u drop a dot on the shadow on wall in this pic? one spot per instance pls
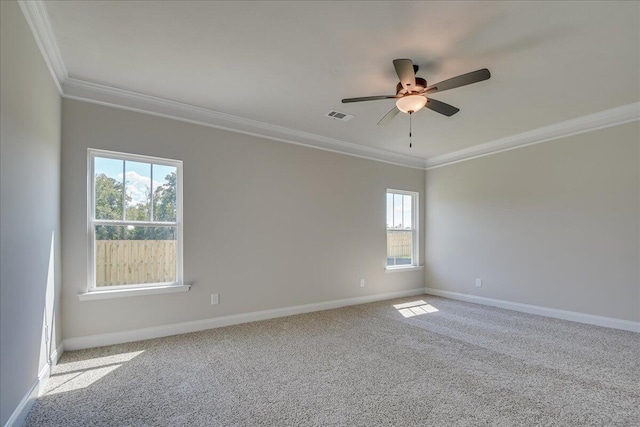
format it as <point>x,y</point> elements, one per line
<point>29,315</point>
<point>49,338</point>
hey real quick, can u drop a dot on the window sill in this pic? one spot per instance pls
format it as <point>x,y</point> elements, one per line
<point>402,269</point>
<point>132,292</point>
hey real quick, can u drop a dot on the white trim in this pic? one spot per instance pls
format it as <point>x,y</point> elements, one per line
<point>45,372</point>
<point>591,319</point>
<point>415,227</point>
<point>37,18</point>
<point>133,101</point>
<point>135,223</point>
<point>217,322</point>
<point>57,353</point>
<point>117,155</point>
<point>132,292</point>
<point>43,377</point>
<point>590,122</point>
<point>146,104</point>
<point>400,269</point>
<point>19,414</point>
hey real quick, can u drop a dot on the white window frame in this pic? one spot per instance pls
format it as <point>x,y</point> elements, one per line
<point>95,292</point>
<point>415,224</point>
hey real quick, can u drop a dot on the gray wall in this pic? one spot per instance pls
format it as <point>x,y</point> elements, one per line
<point>555,224</point>
<point>266,224</point>
<point>29,207</point>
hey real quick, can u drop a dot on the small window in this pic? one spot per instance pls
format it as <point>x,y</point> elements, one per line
<point>135,221</point>
<point>402,229</point>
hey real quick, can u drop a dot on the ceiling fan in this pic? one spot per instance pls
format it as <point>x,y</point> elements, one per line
<point>412,91</point>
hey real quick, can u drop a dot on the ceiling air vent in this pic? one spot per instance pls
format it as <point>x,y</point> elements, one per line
<point>337,115</point>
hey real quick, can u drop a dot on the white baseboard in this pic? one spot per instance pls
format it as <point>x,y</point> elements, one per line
<point>22,410</point>
<point>217,322</point>
<point>55,356</point>
<point>19,415</point>
<point>608,322</point>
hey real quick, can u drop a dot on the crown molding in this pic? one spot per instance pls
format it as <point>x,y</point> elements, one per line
<point>37,18</point>
<point>590,122</point>
<point>133,101</point>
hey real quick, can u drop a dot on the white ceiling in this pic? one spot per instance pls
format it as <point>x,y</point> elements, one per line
<point>289,63</point>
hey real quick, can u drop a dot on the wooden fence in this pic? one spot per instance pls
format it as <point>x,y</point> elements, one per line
<point>126,262</point>
<point>399,243</point>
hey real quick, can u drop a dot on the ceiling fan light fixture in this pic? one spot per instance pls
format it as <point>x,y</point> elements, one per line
<point>411,103</point>
<point>411,92</point>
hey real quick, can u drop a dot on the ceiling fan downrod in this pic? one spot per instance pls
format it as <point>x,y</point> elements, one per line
<point>410,114</point>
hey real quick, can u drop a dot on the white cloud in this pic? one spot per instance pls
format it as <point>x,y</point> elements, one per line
<point>137,186</point>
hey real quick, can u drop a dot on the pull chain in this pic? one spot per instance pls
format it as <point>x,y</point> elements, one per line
<point>410,114</point>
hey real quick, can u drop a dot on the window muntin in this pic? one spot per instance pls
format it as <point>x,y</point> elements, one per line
<point>135,227</point>
<point>402,230</point>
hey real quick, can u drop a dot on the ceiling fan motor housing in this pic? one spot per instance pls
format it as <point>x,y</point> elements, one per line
<point>420,85</point>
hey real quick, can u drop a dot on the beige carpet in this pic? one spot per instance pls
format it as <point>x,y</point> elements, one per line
<point>447,363</point>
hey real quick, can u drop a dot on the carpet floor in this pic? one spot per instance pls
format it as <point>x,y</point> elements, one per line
<point>420,361</point>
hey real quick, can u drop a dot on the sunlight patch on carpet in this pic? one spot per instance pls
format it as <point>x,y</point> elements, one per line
<point>415,308</point>
<point>81,374</point>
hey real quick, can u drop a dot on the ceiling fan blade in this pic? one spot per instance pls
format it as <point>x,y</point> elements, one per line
<point>404,69</point>
<point>368,98</point>
<point>389,116</point>
<point>461,80</point>
<point>441,107</point>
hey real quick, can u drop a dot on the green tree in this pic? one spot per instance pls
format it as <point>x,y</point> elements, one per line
<point>108,198</point>
<point>165,208</point>
<point>141,211</point>
<point>108,204</point>
<point>164,200</point>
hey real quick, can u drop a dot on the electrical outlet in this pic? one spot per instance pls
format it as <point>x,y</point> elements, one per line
<point>478,282</point>
<point>215,299</point>
<point>362,283</point>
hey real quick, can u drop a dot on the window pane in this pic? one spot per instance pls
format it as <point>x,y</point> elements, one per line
<point>108,188</point>
<point>128,255</point>
<point>406,210</point>
<point>399,247</point>
<point>164,193</point>
<point>389,210</point>
<point>138,189</point>
<point>397,211</point>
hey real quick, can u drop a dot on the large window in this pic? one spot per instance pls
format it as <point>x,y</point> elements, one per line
<point>402,229</point>
<point>135,221</point>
